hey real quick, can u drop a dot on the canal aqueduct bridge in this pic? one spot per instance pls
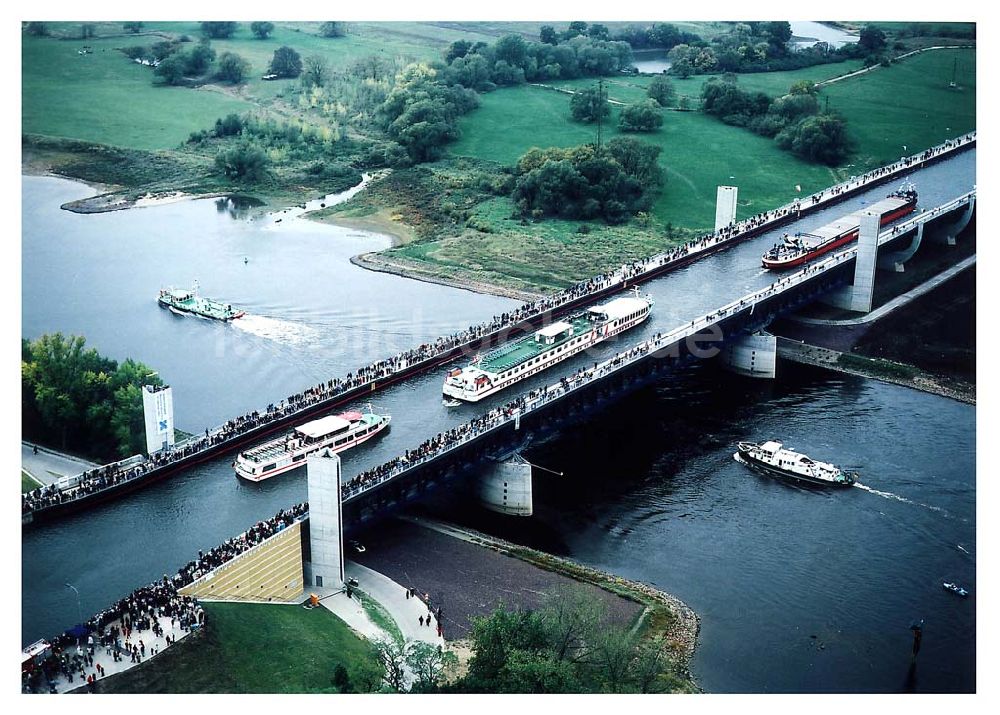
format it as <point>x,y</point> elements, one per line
<point>476,446</point>
<point>747,315</point>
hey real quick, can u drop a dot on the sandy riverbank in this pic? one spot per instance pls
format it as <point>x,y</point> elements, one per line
<point>378,262</point>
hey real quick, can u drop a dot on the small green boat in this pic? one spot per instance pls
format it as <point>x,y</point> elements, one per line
<point>182,301</point>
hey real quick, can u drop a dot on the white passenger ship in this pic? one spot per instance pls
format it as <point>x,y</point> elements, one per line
<point>512,362</point>
<point>338,432</point>
<point>773,459</point>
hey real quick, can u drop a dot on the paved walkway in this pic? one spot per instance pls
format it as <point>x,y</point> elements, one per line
<point>898,301</point>
<point>102,656</point>
<point>48,465</point>
<point>406,612</point>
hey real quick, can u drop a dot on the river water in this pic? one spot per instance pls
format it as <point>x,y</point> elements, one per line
<point>313,315</point>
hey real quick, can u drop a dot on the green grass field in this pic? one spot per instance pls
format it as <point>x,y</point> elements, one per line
<point>633,88</point>
<point>699,153</point>
<point>254,648</point>
<point>906,104</point>
<point>909,103</point>
<point>103,97</point>
<point>28,482</point>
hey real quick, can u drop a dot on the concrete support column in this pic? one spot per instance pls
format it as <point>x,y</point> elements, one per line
<point>753,355</point>
<point>950,235</point>
<point>896,260</point>
<point>326,524</point>
<point>864,267</point>
<point>505,487</point>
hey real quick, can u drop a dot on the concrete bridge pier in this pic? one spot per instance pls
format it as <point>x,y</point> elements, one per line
<point>754,355</point>
<point>505,486</point>
<point>858,296</point>
<point>896,260</point>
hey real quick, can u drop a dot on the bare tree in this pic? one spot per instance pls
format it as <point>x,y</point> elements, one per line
<point>315,71</point>
<point>571,617</point>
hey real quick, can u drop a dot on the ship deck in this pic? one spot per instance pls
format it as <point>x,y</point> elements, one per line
<point>513,354</point>
<point>204,306</point>
<point>849,222</point>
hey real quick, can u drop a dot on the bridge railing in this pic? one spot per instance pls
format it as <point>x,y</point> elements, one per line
<point>924,216</point>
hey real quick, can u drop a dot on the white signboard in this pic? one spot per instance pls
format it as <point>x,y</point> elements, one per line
<point>158,410</point>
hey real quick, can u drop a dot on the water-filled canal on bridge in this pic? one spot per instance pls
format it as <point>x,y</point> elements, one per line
<point>313,301</point>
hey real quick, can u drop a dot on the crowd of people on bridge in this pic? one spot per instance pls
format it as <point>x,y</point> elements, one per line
<point>490,331</point>
<point>126,628</point>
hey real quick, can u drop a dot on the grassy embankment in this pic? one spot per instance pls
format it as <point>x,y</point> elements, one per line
<point>255,648</point>
<point>28,482</point>
<point>458,230</point>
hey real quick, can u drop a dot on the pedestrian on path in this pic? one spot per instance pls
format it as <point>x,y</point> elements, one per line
<point>421,620</point>
<point>407,594</point>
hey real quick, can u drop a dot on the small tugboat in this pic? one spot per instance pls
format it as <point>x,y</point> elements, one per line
<point>337,432</point>
<point>181,301</point>
<point>770,458</point>
<point>955,588</point>
<point>797,250</point>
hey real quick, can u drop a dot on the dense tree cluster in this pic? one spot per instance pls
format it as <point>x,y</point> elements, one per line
<point>333,29</point>
<point>793,120</point>
<point>249,147</point>
<point>567,646</point>
<point>589,105</point>
<point>764,47</point>
<point>174,65</point>
<point>421,113</point>
<point>643,116</point>
<point>286,62</point>
<point>661,90</point>
<point>658,35</point>
<point>244,161</point>
<point>133,27</point>
<point>72,398</point>
<point>587,182</point>
<point>219,30</point>
<point>232,68</point>
<point>261,30</point>
<point>512,60</point>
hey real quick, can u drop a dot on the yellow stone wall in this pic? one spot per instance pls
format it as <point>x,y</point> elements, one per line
<point>271,571</point>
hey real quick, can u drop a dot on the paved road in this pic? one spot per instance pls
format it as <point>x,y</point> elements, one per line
<point>48,465</point>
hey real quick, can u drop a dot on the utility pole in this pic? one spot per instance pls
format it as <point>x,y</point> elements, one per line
<point>600,110</point>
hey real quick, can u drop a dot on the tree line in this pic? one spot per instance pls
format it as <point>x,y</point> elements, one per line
<point>73,398</point>
<point>512,60</point>
<point>764,47</point>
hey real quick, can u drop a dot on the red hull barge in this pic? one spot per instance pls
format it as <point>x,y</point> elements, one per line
<point>804,247</point>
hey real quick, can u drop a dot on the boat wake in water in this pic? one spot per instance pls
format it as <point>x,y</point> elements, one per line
<point>890,495</point>
<point>281,331</point>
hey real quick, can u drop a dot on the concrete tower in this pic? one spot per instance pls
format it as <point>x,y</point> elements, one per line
<point>725,206</point>
<point>864,268</point>
<point>326,525</point>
